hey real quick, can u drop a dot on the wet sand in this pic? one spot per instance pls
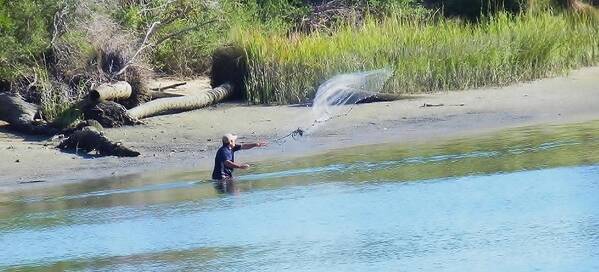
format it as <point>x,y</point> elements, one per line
<point>187,141</point>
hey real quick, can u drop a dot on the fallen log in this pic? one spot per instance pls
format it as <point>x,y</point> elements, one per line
<point>119,90</point>
<point>109,114</point>
<point>21,115</point>
<point>79,126</point>
<point>183,103</point>
<point>90,139</point>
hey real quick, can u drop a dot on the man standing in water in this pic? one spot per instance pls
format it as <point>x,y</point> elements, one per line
<point>224,162</point>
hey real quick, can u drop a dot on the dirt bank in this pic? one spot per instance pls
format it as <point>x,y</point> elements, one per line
<point>188,140</point>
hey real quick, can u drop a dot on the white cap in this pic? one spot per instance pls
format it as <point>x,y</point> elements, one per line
<point>227,138</point>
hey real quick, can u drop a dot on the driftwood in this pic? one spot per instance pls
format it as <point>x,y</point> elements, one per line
<point>119,90</point>
<point>172,86</point>
<point>427,105</point>
<point>90,139</point>
<point>21,115</point>
<point>363,97</point>
<point>380,97</point>
<point>109,114</point>
<point>86,136</point>
<point>79,126</point>
<point>184,103</point>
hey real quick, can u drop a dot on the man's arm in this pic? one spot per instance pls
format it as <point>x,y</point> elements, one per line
<point>250,146</point>
<point>231,164</point>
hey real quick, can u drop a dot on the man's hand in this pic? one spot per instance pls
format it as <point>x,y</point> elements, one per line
<point>231,164</point>
<point>250,146</point>
<point>261,144</point>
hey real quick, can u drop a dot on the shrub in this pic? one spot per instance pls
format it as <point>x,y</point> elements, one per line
<point>25,32</point>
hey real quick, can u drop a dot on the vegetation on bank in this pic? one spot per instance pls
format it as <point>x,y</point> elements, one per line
<point>426,54</point>
<point>53,52</point>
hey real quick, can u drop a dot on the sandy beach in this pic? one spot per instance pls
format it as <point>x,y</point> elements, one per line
<point>187,141</point>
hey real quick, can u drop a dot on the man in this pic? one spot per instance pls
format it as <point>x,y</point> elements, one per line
<point>224,162</point>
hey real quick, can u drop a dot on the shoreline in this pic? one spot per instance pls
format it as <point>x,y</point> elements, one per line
<point>186,141</point>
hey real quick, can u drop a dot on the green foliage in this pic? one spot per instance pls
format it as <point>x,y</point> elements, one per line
<point>279,10</point>
<point>188,32</point>
<point>25,27</point>
<point>130,17</point>
<point>55,98</point>
<point>189,53</point>
<point>77,53</point>
<point>426,55</point>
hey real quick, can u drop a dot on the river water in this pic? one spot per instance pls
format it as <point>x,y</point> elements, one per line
<point>520,200</point>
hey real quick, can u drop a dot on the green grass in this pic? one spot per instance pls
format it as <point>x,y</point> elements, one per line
<point>426,54</point>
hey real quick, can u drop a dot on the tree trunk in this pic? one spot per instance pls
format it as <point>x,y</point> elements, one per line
<point>119,90</point>
<point>20,114</point>
<point>184,103</point>
<point>89,139</point>
<point>109,114</point>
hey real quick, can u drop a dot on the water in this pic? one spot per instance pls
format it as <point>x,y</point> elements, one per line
<point>519,200</point>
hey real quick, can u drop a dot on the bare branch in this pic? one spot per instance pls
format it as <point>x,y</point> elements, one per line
<point>32,83</point>
<point>153,28</point>
<point>58,24</point>
<point>172,86</point>
<point>143,46</point>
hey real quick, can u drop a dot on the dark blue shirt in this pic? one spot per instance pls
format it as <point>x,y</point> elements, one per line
<point>224,154</point>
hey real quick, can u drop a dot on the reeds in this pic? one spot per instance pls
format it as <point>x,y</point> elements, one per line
<point>426,54</point>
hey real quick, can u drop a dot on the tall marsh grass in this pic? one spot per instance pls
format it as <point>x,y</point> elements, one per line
<point>426,54</point>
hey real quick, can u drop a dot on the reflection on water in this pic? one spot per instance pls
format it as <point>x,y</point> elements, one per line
<point>226,186</point>
<point>524,199</point>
